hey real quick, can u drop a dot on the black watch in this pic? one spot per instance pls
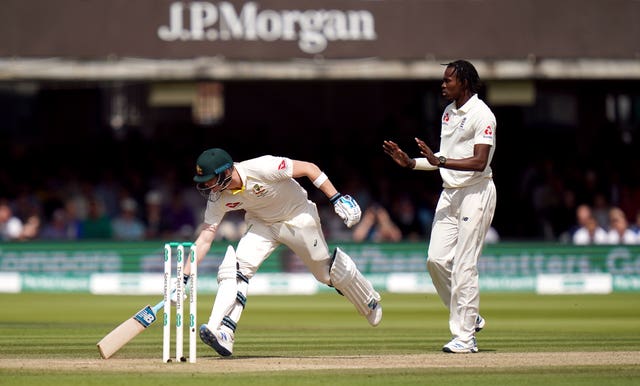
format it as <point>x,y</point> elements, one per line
<point>442,160</point>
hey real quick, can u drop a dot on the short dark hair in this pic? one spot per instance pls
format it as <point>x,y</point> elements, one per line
<point>467,74</point>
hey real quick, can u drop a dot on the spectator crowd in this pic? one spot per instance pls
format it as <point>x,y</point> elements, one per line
<point>163,207</point>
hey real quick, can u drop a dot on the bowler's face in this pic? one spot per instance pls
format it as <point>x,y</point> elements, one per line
<point>451,87</point>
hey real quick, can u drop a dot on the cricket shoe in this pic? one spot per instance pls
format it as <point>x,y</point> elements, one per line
<point>479,323</point>
<point>218,340</point>
<point>458,347</point>
<point>375,316</point>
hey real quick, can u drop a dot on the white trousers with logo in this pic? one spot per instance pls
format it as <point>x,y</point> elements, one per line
<point>302,234</point>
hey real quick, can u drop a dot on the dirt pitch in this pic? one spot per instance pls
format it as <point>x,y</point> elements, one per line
<point>258,364</point>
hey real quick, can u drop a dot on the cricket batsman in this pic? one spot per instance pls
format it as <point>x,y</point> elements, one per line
<point>277,211</point>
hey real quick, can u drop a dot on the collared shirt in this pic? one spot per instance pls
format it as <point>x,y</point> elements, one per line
<point>462,128</point>
<point>269,192</point>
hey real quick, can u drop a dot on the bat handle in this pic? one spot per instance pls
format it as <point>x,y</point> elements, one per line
<point>158,306</point>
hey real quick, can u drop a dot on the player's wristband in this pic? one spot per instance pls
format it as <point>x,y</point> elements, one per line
<point>320,180</point>
<point>335,198</point>
<point>424,164</point>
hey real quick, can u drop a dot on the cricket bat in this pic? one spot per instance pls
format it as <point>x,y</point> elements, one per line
<point>128,330</point>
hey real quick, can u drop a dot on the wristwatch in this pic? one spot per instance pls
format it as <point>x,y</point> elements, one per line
<point>442,160</point>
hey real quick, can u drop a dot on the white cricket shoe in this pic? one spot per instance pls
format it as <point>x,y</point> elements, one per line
<point>375,316</point>
<point>458,347</point>
<point>480,323</point>
<point>218,340</point>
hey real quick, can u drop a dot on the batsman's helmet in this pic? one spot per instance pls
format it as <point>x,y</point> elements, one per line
<point>212,164</point>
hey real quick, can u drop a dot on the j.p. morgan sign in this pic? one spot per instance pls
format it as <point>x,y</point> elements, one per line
<point>312,29</point>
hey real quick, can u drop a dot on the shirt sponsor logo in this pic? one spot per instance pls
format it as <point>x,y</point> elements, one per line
<point>283,165</point>
<point>232,204</point>
<point>488,132</point>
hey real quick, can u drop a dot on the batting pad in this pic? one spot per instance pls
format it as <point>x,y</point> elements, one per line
<point>227,288</point>
<point>347,279</point>
<point>228,266</point>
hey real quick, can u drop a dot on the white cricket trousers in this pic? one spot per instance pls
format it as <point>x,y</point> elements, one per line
<point>302,233</point>
<point>463,217</point>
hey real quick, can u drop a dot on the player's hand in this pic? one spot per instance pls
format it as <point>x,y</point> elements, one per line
<point>397,154</point>
<point>348,210</point>
<point>173,295</point>
<point>426,151</point>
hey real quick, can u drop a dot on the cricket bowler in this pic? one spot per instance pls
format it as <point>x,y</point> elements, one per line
<point>467,202</point>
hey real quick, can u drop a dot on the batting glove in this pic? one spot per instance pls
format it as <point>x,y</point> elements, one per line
<point>347,208</point>
<point>174,295</point>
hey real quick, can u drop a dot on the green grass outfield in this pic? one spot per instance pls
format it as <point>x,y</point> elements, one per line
<point>51,339</point>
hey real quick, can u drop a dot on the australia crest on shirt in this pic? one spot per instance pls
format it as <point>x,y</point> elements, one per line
<point>259,190</point>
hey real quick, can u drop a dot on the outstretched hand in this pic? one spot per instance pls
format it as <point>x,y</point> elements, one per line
<point>397,154</point>
<point>348,209</point>
<point>425,150</point>
<point>173,297</point>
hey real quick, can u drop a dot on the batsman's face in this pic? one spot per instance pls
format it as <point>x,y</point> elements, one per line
<point>214,184</point>
<point>451,87</point>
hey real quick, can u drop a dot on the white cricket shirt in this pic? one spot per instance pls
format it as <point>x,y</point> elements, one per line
<point>269,192</point>
<point>462,128</point>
